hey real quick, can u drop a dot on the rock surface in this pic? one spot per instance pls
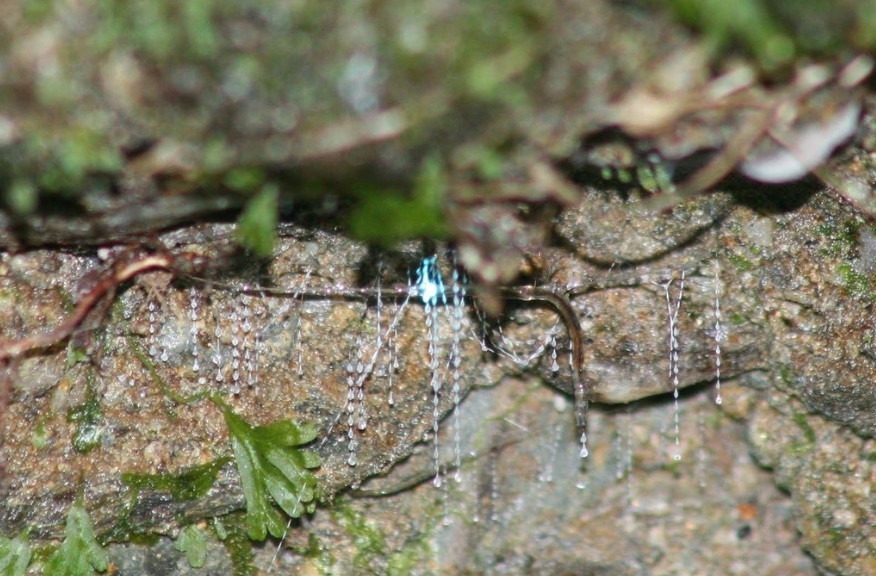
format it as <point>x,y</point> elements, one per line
<point>525,497</point>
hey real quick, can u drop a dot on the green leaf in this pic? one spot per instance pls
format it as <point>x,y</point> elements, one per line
<point>14,556</point>
<point>286,433</point>
<point>79,554</point>
<point>193,542</point>
<point>219,528</point>
<point>272,471</point>
<point>257,226</point>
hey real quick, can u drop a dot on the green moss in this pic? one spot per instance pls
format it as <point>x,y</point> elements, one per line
<point>190,484</point>
<point>144,359</point>
<point>318,551</point>
<point>834,538</point>
<point>75,355</point>
<point>856,283</point>
<point>799,448</point>
<point>370,543</point>
<point>737,319</point>
<point>238,545</point>
<point>839,239</point>
<point>674,467</point>
<point>741,263</point>
<point>414,553</point>
<point>373,554</point>
<point>786,375</point>
<point>39,438</point>
<point>801,420</point>
<point>67,160</point>
<point>89,431</point>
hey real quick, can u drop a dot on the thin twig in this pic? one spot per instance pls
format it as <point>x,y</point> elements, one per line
<point>118,275</point>
<point>564,308</point>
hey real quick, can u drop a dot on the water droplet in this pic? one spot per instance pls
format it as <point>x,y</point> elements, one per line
<point>193,330</point>
<point>393,360</point>
<point>674,331</point>
<point>355,400</point>
<point>430,289</point>
<point>458,312</point>
<point>720,334</point>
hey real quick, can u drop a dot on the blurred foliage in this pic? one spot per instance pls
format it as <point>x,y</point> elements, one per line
<point>385,216</point>
<point>257,226</point>
<point>209,97</point>
<point>181,92</point>
<point>776,32</point>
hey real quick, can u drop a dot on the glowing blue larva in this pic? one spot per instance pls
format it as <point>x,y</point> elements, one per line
<point>430,284</point>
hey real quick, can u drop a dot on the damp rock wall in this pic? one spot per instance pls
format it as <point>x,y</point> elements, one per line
<point>298,356</point>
